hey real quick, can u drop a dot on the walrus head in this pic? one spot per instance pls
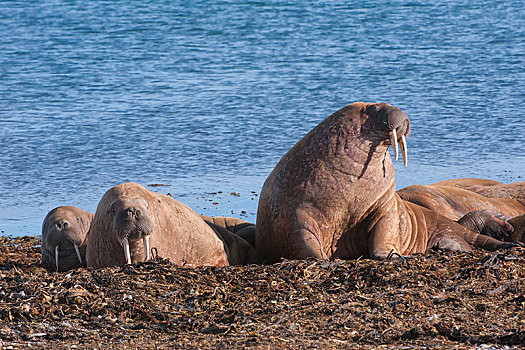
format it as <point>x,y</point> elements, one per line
<point>64,236</point>
<point>389,123</point>
<point>132,223</point>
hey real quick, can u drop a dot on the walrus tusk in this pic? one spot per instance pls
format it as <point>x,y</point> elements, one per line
<point>125,244</point>
<point>393,141</point>
<point>403,146</point>
<point>78,253</point>
<point>56,256</point>
<point>145,243</point>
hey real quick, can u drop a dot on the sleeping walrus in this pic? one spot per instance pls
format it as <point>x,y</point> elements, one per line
<point>333,195</point>
<point>64,236</point>
<point>131,222</point>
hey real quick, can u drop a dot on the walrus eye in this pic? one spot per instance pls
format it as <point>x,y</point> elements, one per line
<point>112,208</point>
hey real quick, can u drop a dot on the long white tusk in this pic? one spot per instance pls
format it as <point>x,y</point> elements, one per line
<point>393,141</point>
<point>56,256</point>
<point>125,244</point>
<point>404,149</point>
<point>78,253</point>
<point>145,243</point>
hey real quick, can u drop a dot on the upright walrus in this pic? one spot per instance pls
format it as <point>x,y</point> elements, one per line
<point>333,195</point>
<point>131,221</point>
<point>64,238</point>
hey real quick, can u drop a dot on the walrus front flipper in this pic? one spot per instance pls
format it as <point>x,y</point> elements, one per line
<point>487,222</point>
<point>239,251</point>
<point>452,231</point>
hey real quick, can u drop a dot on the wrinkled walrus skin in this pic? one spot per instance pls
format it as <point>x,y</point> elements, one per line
<point>64,235</point>
<point>333,195</point>
<point>129,214</point>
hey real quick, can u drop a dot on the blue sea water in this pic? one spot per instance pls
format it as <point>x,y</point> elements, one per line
<point>206,96</point>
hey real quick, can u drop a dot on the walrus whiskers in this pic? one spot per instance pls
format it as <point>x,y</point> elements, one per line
<point>78,253</point>
<point>125,244</point>
<point>145,243</point>
<point>393,141</point>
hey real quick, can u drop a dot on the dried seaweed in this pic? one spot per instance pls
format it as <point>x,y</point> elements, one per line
<point>443,299</point>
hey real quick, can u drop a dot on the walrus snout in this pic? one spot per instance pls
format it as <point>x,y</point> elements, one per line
<point>132,223</point>
<point>393,124</point>
<point>63,240</point>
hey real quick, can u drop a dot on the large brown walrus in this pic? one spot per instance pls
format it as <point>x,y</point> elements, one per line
<point>131,221</point>
<point>333,195</point>
<point>64,238</point>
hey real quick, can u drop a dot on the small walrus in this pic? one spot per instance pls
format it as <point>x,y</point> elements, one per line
<point>64,238</point>
<point>333,195</point>
<point>131,222</point>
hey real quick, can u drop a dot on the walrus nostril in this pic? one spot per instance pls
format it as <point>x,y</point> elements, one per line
<point>58,225</point>
<point>65,225</point>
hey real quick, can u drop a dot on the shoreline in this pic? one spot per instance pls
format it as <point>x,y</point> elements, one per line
<point>442,299</point>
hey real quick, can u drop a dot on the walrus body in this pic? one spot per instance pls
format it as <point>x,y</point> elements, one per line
<point>239,236</point>
<point>64,238</point>
<point>333,195</point>
<point>131,221</point>
<point>487,188</point>
<point>455,202</point>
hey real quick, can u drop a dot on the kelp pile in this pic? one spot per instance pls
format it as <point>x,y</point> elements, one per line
<point>442,299</point>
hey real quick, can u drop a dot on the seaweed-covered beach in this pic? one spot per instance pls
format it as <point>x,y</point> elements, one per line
<point>441,300</point>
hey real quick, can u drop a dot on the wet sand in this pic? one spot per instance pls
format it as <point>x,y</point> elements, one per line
<point>441,300</point>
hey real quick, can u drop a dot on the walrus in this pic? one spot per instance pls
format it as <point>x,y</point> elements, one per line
<point>467,183</point>
<point>130,222</point>
<point>481,205</point>
<point>241,228</point>
<point>455,202</point>
<point>64,236</point>
<point>487,188</point>
<point>333,195</point>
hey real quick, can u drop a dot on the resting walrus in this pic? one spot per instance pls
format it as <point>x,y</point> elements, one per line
<point>130,221</point>
<point>481,205</point>
<point>64,233</point>
<point>333,195</point>
<point>455,202</point>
